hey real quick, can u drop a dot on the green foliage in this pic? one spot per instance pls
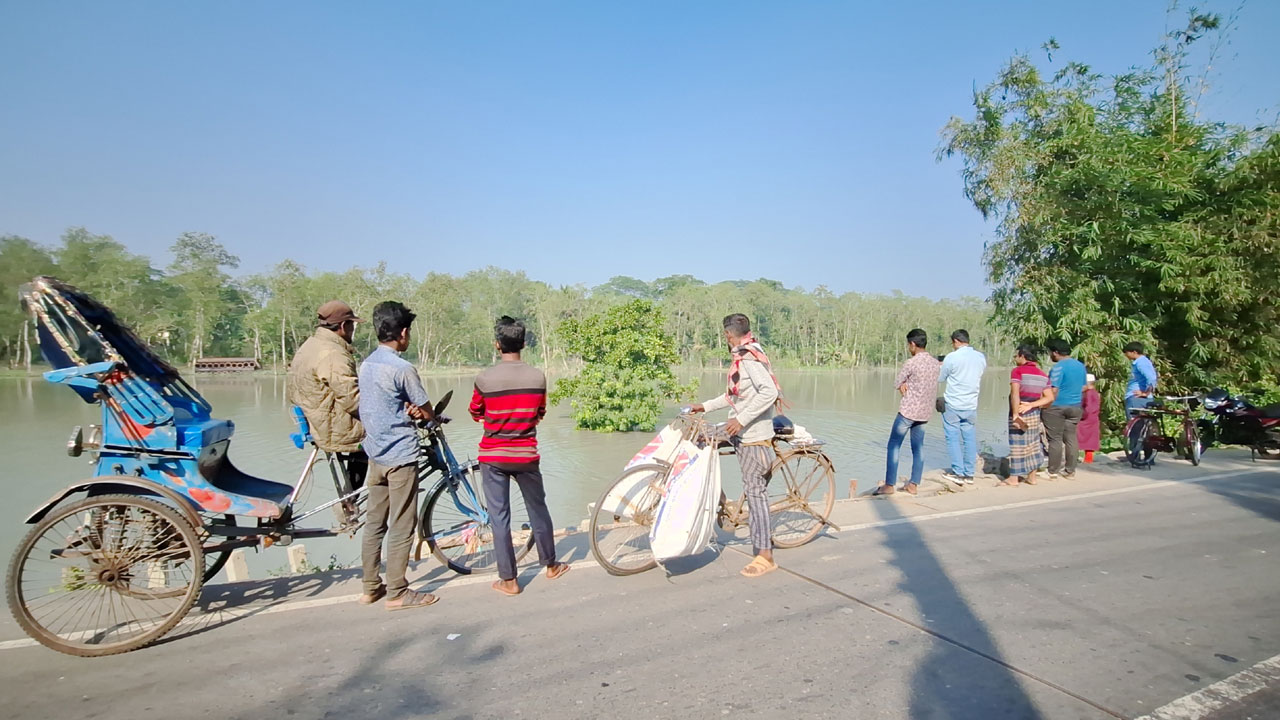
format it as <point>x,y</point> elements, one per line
<point>1123,216</point>
<point>627,378</point>
<point>20,260</point>
<point>206,296</point>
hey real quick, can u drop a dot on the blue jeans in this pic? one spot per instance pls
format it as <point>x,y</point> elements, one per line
<point>901,426</point>
<point>1133,402</point>
<point>961,430</point>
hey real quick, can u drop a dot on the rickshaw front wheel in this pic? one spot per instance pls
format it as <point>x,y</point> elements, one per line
<point>105,575</point>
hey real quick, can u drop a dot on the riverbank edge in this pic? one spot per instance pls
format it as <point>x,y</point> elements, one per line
<point>985,493</point>
<point>461,370</point>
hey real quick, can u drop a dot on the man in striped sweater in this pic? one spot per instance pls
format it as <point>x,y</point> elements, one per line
<point>511,399</point>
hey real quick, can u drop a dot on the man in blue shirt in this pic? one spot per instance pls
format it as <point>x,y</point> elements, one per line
<point>1062,409</point>
<point>962,372</point>
<point>1142,378</point>
<point>391,398</point>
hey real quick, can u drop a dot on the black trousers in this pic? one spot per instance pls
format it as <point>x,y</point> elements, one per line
<point>357,466</point>
<point>496,484</point>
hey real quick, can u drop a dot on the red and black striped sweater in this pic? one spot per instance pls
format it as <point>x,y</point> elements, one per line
<point>511,399</point>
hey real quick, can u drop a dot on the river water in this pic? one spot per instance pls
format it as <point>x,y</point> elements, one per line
<point>851,410</point>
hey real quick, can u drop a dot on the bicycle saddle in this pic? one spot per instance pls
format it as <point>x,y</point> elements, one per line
<point>782,426</point>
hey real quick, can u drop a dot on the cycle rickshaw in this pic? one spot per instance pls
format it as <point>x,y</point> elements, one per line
<point>122,565</point>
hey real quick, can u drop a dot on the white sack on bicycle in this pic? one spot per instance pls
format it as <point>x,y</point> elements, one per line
<point>663,446</point>
<point>687,512</point>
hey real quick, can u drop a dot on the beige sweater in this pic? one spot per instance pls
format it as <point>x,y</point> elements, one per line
<point>754,405</point>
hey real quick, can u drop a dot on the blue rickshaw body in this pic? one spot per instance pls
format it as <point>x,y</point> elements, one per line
<point>155,428</point>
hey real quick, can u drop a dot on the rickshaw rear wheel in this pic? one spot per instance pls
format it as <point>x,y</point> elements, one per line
<point>105,575</point>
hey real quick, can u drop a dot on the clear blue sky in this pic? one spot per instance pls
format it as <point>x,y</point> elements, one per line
<point>573,140</point>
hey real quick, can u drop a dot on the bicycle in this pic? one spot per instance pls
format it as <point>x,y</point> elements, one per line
<point>1149,432</point>
<point>798,507</point>
<point>454,521</point>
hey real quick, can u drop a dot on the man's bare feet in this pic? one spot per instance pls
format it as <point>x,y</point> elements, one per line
<point>510,588</point>
<point>370,597</point>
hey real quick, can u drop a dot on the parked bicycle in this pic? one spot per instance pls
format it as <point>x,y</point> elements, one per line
<point>1161,427</point>
<point>801,496</point>
<point>455,520</point>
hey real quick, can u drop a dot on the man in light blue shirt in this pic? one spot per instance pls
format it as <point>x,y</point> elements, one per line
<point>391,398</point>
<point>1062,409</point>
<point>962,372</point>
<point>1142,378</point>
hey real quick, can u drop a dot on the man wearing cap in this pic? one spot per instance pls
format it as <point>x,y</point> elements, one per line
<point>322,381</point>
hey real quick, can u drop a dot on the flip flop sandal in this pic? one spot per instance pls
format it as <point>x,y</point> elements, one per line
<point>762,567</point>
<point>412,599</point>
<point>560,570</point>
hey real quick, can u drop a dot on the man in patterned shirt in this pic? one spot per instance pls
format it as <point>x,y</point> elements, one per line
<point>917,381</point>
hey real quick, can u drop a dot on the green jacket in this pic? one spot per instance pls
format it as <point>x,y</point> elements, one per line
<point>322,381</point>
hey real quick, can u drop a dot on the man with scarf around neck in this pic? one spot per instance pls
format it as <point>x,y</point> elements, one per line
<point>753,392</point>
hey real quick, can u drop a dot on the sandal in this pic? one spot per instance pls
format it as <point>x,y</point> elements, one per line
<point>505,590</point>
<point>759,566</point>
<point>556,570</point>
<point>885,490</point>
<point>370,598</point>
<point>911,488</point>
<point>411,599</point>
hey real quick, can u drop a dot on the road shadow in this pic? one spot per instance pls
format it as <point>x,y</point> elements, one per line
<point>1259,494</point>
<point>953,681</point>
<point>388,682</point>
<point>226,603</point>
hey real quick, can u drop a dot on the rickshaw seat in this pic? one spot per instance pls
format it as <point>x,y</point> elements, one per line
<point>200,435</point>
<point>218,469</point>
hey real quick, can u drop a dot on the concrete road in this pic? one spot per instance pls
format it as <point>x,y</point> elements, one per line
<point>1117,595</point>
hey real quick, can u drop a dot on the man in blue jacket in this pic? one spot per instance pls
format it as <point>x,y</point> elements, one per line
<point>1142,378</point>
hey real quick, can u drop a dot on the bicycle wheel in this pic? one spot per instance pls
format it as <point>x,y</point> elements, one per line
<point>451,525</point>
<point>800,504</point>
<point>105,575</point>
<point>1137,445</point>
<point>215,560</point>
<point>622,517</point>
<point>1191,441</point>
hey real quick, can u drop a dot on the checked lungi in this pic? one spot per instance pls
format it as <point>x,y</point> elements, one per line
<point>1026,446</point>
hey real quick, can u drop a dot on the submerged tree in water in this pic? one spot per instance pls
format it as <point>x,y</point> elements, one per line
<point>1124,216</point>
<point>627,378</point>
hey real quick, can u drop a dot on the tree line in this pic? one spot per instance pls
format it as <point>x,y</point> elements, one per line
<point>195,307</point>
